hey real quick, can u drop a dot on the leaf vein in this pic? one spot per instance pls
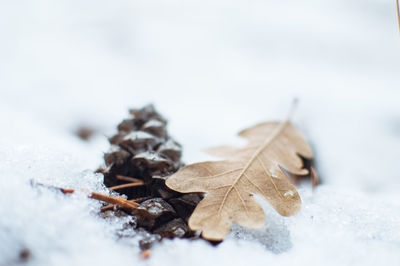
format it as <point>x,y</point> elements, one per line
<point>266,143</point>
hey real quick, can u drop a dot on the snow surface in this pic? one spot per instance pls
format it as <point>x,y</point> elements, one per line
<point>212,68</point>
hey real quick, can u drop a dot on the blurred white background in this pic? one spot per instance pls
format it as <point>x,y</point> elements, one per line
<point>213,68</point>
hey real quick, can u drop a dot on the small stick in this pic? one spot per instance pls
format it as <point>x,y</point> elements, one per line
<point>112,206</point>
<point>123,203</point>
<point>140,199</point>
<point>398,13</point>
<point>145,254</point>
<point>314,177</point>
<point>67,190</point>
<point>107,208</point>
<point>127,185</point>
<point>128,179</point>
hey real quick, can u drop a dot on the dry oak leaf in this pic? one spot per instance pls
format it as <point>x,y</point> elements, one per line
<point>253,169</point>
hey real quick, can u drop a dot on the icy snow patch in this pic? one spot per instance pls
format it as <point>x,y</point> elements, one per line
<point>332,229</point>
<point>57,229</point>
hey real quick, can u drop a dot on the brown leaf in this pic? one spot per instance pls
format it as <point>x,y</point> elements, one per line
<point>253,169</point>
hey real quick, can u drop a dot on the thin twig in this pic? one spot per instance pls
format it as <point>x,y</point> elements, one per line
<point>145,254</point>
<point>107,208</point>
<point>398,13</point>
<point>140,199</point>
<point>123,203</point>
<point>314,177</point>
<point>67,190</point>
<point>128,179</point>
<point>138,184</point>
<point>112,206</point>
<point>120,202</point>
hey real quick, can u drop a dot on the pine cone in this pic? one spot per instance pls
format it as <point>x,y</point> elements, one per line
<point>142,149</point>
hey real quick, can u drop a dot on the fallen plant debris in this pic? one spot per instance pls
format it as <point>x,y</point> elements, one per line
<point>116,201</point>
<point>141,157</point>
<point>398,14</point>
<point>312,174</point>
<point>261,167</point>
<point>145,254</point>
<point>24,255</point>
<point>85,133</point>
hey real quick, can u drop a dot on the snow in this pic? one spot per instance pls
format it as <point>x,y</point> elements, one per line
<point>212,68</point>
